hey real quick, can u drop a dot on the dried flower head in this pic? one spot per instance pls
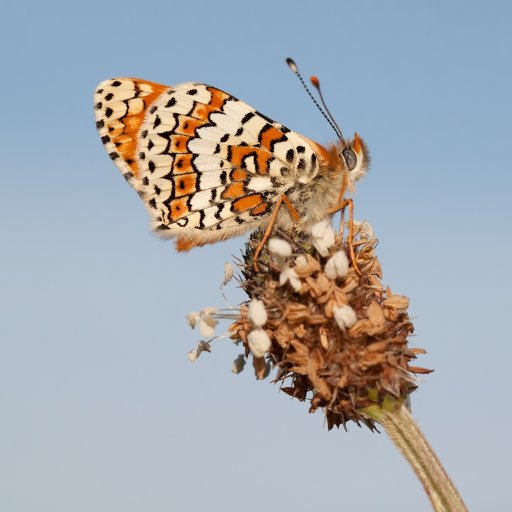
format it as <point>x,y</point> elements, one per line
<point>337,337</point>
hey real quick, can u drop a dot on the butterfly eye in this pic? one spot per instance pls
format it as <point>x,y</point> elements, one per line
<point>350,158</point>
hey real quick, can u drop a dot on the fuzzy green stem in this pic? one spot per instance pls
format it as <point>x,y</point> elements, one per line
<point>404,432</point>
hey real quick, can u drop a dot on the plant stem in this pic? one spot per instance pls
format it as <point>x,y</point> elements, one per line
<point>404,432</point>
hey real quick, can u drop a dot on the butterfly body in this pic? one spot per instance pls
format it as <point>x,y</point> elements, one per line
<point>208,166</point>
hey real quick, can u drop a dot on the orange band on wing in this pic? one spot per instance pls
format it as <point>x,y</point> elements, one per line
<point>185,185</point>
<point>234,190</point>
<point>260,209</point>
<point>183,164</point>
<point>217,100</point>
<point>189,125</point>
<point>131,123</point>
<point>246,203</point>
<point>179,208</point>
<point>270,136</point>
<point>179,143</point>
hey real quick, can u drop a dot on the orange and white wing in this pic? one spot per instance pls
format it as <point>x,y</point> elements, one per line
<point>207,165</point>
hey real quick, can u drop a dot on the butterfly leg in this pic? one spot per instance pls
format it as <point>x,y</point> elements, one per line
<point>271,222</point>
<point>341,206</point>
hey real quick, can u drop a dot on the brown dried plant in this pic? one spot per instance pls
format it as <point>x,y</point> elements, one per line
<point>339,339</point>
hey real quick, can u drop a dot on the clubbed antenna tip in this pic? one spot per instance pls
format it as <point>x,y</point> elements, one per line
<point>316,84</point>
<point>292,64</point>
<point>314,80</point>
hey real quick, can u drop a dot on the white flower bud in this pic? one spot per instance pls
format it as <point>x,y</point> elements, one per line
<point>337,265</point>
<point>301,260</point>
<point>207,323</point>
<point>345,316</point>
<point>289,275</point>
<point>279,247</point>
<point>323,236</point>
<point>192,319</point>
<point>259,342</point>
<point>257,313</point>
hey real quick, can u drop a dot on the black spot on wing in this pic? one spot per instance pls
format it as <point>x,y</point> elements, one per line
<point>247,117</point>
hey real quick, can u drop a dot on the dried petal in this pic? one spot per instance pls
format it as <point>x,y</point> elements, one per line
<point>238,364</point>
<point>364,229</point>
<point>397,302</point>
<point>375,314</point>
<point>228,273</point>
<point>306,265</point>
<point>261,367</point>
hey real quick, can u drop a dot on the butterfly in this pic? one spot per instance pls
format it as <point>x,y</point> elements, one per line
<point>209,166</point>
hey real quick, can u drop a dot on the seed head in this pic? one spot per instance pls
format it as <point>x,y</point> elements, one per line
<point>337,337</point>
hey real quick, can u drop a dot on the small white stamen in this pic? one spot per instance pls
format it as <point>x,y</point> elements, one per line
<point>289,275</point>
<point>337,265</point>
<point>202,346</point>
<point>279,247</point>
<point>192,319</point>
<point>345,316</point>
<point>259,342</point>
<point>323,236</point>
<point>301,261</point>
<point>257,313</point>
<point>207,323</point>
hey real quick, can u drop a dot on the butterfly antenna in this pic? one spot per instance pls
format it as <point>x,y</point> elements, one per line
<point>316,83</point>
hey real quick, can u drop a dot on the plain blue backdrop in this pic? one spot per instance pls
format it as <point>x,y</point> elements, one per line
<point>100,408</point>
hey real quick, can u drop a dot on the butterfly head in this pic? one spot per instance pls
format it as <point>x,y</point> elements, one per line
<point>356,157</point>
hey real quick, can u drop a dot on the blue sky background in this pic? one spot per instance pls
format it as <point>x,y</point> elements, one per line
<point>100,408</point>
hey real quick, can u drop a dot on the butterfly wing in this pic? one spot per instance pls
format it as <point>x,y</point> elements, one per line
<point>207,165</point>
